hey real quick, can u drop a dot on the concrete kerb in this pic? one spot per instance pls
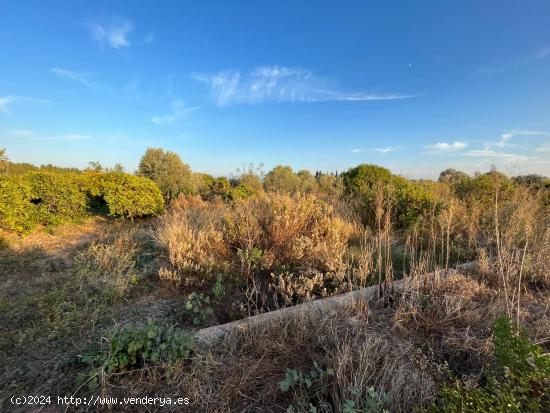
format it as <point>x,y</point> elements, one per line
<point>212,335</point>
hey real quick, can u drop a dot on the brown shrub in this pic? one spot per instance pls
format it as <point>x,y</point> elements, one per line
<point>114,257</point>
<point>191,236</point>
<point>297,235</point>
<point>295,231</point>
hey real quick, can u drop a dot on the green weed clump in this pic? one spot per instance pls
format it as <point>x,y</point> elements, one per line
<point>519,381</point>
<point>198,307</point>
<point>310,392</point>
<point>137,347</point>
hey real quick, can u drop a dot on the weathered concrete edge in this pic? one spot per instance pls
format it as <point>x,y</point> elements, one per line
<point>212,335</point>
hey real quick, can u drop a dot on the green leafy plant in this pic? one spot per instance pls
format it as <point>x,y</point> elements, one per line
<point>520,381</point>
<point>136,347</point>
<point>218,290</point>
<point>369,401</point>
<point>295,378</point>
<point>308,389</point>
<point>198,307</point>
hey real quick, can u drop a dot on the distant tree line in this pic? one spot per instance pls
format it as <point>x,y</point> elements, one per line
<point>34,195</point>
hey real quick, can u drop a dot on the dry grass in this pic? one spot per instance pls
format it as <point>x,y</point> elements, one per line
<point>452,317</point>
<point>405,349</point>
<point>191,237</point>
<point>295,248</point>
<point>361,356</point>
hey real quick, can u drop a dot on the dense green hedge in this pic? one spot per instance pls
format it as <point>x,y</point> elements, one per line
<point>53,197</point>
<point>131,196</point>
<point>17,213</point>
<point>57,196</point>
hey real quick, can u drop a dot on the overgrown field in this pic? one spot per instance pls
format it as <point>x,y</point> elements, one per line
<point>105,277</point>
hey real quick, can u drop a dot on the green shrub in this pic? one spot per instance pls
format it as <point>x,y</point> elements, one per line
<point>168,171</point>
<point>219,187</point>
<point>17,213</point>
<point>40,197</point>
<point>202,183</point>
<point>130,196</point>
<point>308,183</point>
<point>240,192</point>
<point>410,200</point>
<point>520,381</point>
<point>483,188</point>
<point>136,347</point>
<point>252,181</point>
<point>282,179</point>
<point>413,200</point>
<point>365,179</point>
<point>58,196</point>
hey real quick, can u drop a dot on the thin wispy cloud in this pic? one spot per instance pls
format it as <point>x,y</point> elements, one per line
<point>67,137</point>
<point>489,153</point>
<point>386,150</point>
<point>499,67</point>
<point>179,111</point>
<point>505,138</point>
<point>114,35</point>
<point>356,150</point>
<point>7,101</point>
<point>22,133</point>
<point>279,84</point>
<point>79,77</point>
<point>446,147</point>
<point>32,135</point>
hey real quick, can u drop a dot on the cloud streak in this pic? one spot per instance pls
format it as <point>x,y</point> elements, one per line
<point>114,36</point>
<point>6,101</point>
<point>489,153</point>
<point>279,84</point>
<point>386,150</point>
<point>78,77</point>
<point>500,67</point>
<point>67,137</point>
<point>505,138</point>
<point>179,111</point>
<point>23,133</point>
<point>446,147</point>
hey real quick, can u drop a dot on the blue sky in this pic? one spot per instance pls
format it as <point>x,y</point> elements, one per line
<point>414,86</point>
